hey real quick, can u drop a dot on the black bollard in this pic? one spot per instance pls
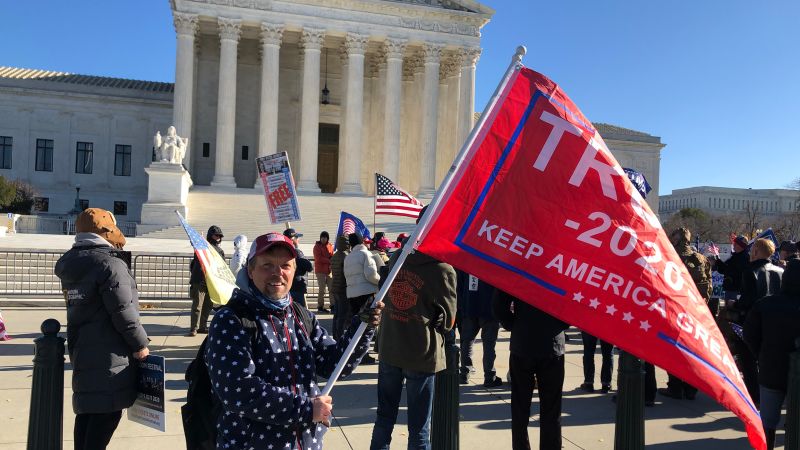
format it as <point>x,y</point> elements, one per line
<point>444,423</point>
<point>46,424</point>
<point>629,429</point>
<point>793,400</point>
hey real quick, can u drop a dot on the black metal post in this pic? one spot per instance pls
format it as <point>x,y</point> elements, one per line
<point>629,429</point>
<point>444,423</point>
<point>46,424</point>
<point>793,401</point>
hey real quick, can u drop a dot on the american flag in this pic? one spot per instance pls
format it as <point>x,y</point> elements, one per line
<point>713,249</point>
<point>219,278</point>
<point>391,200</point>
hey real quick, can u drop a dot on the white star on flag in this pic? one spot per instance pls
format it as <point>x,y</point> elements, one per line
<point>594,303</point>
<point>627,317</point>
<point>610,309</point>
<point>577,297</point>
<point>644,325</point>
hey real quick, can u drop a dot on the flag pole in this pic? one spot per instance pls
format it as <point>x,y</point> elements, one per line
<point>374,205</point>
<point>421,228</point>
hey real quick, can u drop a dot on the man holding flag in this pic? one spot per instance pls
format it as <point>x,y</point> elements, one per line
<point>198,289</point>
<point>267,380</point>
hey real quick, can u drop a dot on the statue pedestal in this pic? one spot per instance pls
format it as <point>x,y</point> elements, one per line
<point>167,191</point>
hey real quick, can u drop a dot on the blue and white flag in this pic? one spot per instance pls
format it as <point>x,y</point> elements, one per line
<point>349,224</point>
<point>639,182</point>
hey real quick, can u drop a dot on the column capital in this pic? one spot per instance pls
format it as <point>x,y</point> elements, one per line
<point>312,39</point>
<point>450,67</point>
<point>394,48</point>
<point>356,44</point>
<point>412,65</point>
<point>470,56</point>
<point>271,33</point>
<point>185,24</point>
<point>229,28</point>
<point>432,52</point>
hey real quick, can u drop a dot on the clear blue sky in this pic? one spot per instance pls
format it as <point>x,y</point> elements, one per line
<point>718,81</point>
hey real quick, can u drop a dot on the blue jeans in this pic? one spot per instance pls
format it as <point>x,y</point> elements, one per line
<point>770,407</point>
<point>419,393</point>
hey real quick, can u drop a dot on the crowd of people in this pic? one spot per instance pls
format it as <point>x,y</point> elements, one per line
<point>265,350</point>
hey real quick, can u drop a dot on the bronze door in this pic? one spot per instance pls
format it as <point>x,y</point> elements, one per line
<point>328,157</point>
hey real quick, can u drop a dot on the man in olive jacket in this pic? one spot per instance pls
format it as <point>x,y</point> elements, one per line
<point>421,308</point>
<point>104,334</point>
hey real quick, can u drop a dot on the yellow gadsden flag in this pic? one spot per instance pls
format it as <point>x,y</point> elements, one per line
<point>219,278</point>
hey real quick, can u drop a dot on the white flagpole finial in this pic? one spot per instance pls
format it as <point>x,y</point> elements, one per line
<point>521,51</point>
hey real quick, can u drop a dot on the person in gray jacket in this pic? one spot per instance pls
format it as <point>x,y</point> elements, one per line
<point>104,334</point>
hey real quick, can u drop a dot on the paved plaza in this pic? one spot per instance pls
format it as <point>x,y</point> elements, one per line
<point>588,419</point>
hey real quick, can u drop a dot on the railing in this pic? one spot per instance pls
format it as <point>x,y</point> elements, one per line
<point>158,276</point>
<point>61,225</point>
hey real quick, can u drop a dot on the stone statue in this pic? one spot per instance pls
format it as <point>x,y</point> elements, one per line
<point>170,148</point>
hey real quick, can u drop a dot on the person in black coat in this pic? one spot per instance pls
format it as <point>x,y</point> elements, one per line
<point>733,268</point>
<point>198,291</point>
<point>537,360</point>
<point>771,331</point>
<point>104,334</point>
<point>760,279</point>
<point>303,267</point>
<point>474,315</point>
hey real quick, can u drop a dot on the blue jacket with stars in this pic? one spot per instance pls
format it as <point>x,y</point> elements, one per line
<point>266,382</point>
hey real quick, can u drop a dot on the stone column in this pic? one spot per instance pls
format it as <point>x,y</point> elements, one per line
<point>430,113</point>
<point>311,44</point>
<point>185,29</point>
<point>391,114</point>
<point>229,33</point>
<point>271,35</point>
<point>350,179</point>
<point>466,103</point>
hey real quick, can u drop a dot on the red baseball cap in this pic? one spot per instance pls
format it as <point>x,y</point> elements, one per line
<point>268,241</point>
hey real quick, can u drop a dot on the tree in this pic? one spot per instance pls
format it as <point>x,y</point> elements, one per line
<point>695,219</point>
<point>7,192</point>
<point>16,196</point>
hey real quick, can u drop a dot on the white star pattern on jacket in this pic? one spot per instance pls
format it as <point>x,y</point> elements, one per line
<point>266,386</point>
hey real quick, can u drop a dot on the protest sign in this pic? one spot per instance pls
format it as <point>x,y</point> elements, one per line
<point>279,191</point>
<point>148,409</point>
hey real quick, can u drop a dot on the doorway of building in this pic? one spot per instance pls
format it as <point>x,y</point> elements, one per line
<point>328,157</point>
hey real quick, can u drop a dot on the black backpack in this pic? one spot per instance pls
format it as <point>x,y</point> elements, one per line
<point>202,406</point>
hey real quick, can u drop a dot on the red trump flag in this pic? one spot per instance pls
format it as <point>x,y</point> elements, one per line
<point>539,208</point>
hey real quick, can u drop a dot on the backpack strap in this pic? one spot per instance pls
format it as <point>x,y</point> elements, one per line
<point>302,313</point>
<point>246,317</point>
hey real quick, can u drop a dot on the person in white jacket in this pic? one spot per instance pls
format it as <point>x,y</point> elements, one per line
<point>239,257</point>
<point>361,274</point>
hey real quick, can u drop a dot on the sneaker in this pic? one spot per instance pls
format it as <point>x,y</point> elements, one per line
<point>605,388</point>
<point>588,387</point>
<point>191,333</point>
<point>666,392</point>
<point>463,378</point>
<point>497,381</point>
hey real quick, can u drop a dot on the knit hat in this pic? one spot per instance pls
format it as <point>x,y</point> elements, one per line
<point>102,223</point>
<point>741,241</point>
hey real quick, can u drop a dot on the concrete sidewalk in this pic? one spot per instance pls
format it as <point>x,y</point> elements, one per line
<point>588,419</point>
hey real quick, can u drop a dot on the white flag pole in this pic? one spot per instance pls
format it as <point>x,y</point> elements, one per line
<point>431,212</point>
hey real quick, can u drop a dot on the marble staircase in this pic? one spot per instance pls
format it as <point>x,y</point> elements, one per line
<point>244,211</point>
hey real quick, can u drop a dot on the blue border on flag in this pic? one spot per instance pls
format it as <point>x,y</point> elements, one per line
<point>485,191</point>
<point>718,372</point>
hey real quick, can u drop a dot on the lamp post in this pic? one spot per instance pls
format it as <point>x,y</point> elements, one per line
<point>77,208</point>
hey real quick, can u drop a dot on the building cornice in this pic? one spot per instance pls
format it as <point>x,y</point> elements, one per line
<point>374,17</point>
